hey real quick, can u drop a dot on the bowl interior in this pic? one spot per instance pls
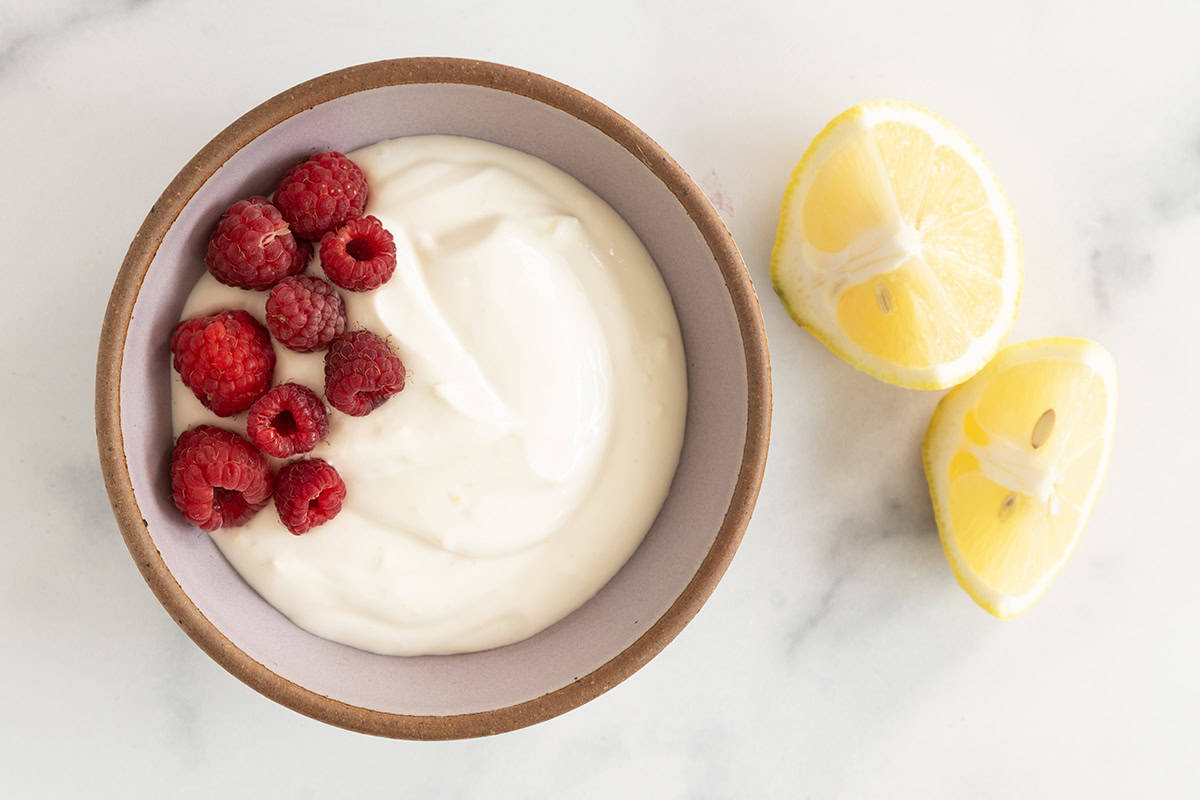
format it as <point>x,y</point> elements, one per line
<point>680,538</point>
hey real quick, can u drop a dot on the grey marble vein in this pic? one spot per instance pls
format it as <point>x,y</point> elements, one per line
<point>799,634</point>
<point>1118,267</point>
<point>850,546</point>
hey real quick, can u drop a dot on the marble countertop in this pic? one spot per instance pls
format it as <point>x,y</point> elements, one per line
<point>838,658</point>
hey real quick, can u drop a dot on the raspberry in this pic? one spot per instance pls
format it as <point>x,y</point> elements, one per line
<point>361,372</point>
<point>287,420</point>
<point>308,493</point>
<point>320,194</point>
<point>218,480</point>
<point>304,253</point>
<point>360,255</point>
<point>226,360</point>
<point>305,314</point>
<point>253,247</point>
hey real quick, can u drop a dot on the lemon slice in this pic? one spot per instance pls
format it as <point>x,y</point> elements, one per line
<point>1015,458</point>
<point>897,248</point>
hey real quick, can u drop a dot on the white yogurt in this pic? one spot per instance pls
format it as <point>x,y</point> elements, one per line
<point>536,437</point>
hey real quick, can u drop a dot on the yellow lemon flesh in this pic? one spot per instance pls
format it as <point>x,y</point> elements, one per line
<point>1015,458</point>
<point>897,248</point>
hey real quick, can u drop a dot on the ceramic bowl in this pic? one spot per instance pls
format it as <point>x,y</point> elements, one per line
<point>713,492</point>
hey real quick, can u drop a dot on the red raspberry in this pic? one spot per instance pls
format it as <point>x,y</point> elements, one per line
<point>226,360</point>
<point>287,420</point>
<point>321,193</point>
<point>218,480</point>
<point>305,314</point>
<point>308,493</point>
<point>361,372</point>
<point>360,255</point>
<point>304,253</point>
<point>252,247</point>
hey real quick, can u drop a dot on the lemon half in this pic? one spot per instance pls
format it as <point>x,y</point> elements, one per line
<point>897,248</point>
<point>1015,458</point>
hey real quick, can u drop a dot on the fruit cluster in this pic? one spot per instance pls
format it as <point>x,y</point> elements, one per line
<point>220,478</point>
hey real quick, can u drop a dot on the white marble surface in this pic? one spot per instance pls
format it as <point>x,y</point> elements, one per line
<point>838,658</point>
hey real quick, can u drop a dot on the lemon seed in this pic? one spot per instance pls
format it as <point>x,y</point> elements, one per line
<point>883,296</point>
<point>1042,428</point>
<point>1008,505</point>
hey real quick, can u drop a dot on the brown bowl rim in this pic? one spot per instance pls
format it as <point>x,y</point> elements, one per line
<point>111,353</point>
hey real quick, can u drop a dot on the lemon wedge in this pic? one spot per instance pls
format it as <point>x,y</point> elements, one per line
<point>1015,458</point>
<point>897,248</point>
